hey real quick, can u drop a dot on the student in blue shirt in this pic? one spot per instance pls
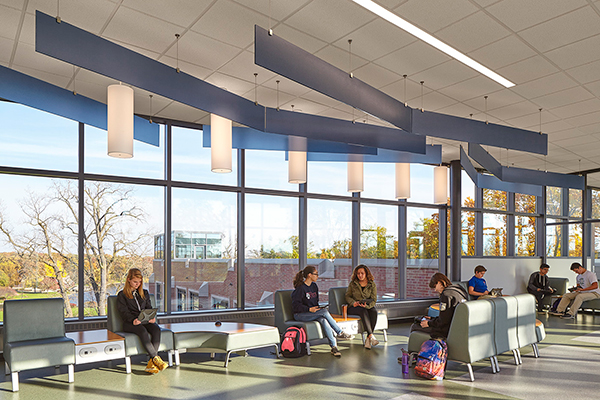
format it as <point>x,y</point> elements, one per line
<point>477,285</point>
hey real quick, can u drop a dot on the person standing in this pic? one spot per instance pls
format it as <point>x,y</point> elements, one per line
<point>586,289</point>
<point>361,297</point>
<point>130,302</point>
<point>305,305</point>
<point>539,286</point>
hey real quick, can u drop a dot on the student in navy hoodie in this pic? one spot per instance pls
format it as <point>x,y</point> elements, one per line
<point>305,304</point>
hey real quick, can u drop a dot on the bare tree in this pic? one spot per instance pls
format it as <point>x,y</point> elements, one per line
<point>110,215</point>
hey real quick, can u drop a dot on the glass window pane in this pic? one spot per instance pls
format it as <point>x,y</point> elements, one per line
<point>38,242</point>
<point>494,199</point>
<point>596,233</point>
<point>268,170</point>
<point>595,204</point>
<point>554,201</point>
<point>328,178</point>
<point>494,234</point>
<point>191,161</point>
<point>379,181</point>
<point>574,240</point>
<point>35,139</point>
<point>524,236</point>
<point>379,247</point>
<point>330,243</point>
<point>147,161</point>
<point>468,233</point>
<point>554,234</point>
<point>271,247</point>
<point>525,203</point>
<point>121,222</point>
<point>207,279</point>
<point>421,183</point>
<point>468,190</point>
<point>575,203</point>
<point>422,250</point>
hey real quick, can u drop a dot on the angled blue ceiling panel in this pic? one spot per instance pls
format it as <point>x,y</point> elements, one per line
<point>286,59</point>
<point>324,128</point>
<point>491,182</point>
<point>472,131</point>
<point>32,92</point>
<point>248,138</point>
<point>432,156</point>
<point>76,46</point>
<point>487,161</point>
<point>468,166</point>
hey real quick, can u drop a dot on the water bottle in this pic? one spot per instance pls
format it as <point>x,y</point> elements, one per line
<point>405,365</point>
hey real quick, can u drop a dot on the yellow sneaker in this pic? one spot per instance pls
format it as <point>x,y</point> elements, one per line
<point>151,368</point>
<point>159,363</point>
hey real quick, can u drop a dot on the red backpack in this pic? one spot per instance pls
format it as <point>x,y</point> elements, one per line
<point>294,342</point>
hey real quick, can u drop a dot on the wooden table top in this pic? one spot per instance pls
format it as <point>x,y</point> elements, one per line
<point>339,318</point>
<point>226,327</point>
<point>95,336</point>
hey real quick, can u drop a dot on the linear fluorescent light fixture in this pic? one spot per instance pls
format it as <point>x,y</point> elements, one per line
<point>426,37</point>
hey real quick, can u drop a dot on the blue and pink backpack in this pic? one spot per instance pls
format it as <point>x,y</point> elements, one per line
<point>431,360</point>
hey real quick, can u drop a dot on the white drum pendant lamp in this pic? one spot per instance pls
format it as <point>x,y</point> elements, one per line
<point>402,180</point>
<point>120,121</point>
<point>220,144</point>
<point>355,176</point>
<point>297,167</point>
<point>440,185</point>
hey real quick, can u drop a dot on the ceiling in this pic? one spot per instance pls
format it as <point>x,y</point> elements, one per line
<point>549,48</point>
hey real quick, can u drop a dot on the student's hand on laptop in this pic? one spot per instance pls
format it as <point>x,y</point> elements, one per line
<point>136,321</point>
<point>152,321</point>
<point>314,309</point>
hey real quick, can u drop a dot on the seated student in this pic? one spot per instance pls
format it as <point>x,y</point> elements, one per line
<point>539,286</point>
<point>451,295</point>
<point>586,289</point>
<point>477,285</point>
<point>305,305</point>
<point>130,302</point>
<point>362,287</point>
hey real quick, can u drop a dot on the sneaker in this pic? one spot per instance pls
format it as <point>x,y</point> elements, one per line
<point>151,368</point>
<point>374,342</point>
<point>568,316</point>
<point>335,352</point>
<point>344,335</point>
<point>558,314</point>
<point>160,364</point>
<point>368,343</point>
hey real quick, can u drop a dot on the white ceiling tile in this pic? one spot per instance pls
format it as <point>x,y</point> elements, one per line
<point>12,18</point>
<point>527,70</point>
<point>457,109</point>
<point>231,84</point>
<point>562,98</point>
<point>413,58</point>
<point>593,87</point>
<point>513,110</point>
<point>268,97</point>
<point>562,30</point>
<point>56,80</point>
<point>181,112</point>
<point>375,76</point>
<point>583,120</point>
<point>286,86</point>
<point>413,91</point>
<point>304,106</point>
<point>555,126</point>
<point>188,68</point>
<point>579,108</point>
<point>589,129</point>
<point>340,58</point>
<point>335,113</point>
<point>376,39</point>
<point>330,20</point>
<point>26,56</point>
<point>6,47</point>
<point>473,88</point>
<point>204,120</point>
<point>321,99</point>
<point>575,141</point>
<point>585,73</point>
<point>278,9</point>
<point>433,15</point>
<point>445,74</point>
<point>546,85</point>
<point>575,54</point>
<point>230,23</point>
<point>475,31</point>
<point>434,101</point>
<point>28,30</point>
<point>180,12</point>
<point>531,121</point>
<point>497,99</point>
<point>508,50</point>
<point>518,14</point>
<point>203,51</point>
<point>90,15</point>
<point>243,67</point>
<point>141,30</point>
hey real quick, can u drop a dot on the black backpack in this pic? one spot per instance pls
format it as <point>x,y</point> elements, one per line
<point>294,342</point>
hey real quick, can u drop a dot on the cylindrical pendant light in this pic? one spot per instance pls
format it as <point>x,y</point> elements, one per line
<point>220,144</point>
<point>355,176</point>
<point>120,121</point>
<point>297,167</point>
<point>402,180</point>
<point>440,185</point>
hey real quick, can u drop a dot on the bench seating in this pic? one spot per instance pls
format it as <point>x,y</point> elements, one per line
<point>337,297</point>
<point>34,337</point>
<point>486,328</point>
<point>284,318</point>
<point>560,284</point>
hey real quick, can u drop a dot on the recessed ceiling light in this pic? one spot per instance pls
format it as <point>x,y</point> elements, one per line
<point>426,37</point>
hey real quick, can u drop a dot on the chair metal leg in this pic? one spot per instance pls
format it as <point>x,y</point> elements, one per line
<point>307,348</point>
<point>6,368</point>
<point>362,334</point>
<point>128,365</point>
<point>494,364</point>
<point>15,381</point>
<point>536,352</point>
<point>227,359</point>
<point>177,357</point>
<point>170,356</point>
<point>516,357</point>
<point>212,356</point>
<point>471,372</point>
<point>385,335</point>
<point>71,369</point>
<point>519,355</point>
<point>276,350</point>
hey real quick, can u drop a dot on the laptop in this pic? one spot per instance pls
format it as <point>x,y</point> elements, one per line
<point>147,314</point>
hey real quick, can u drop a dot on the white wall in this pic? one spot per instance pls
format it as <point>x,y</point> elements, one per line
<point>512,274</point>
